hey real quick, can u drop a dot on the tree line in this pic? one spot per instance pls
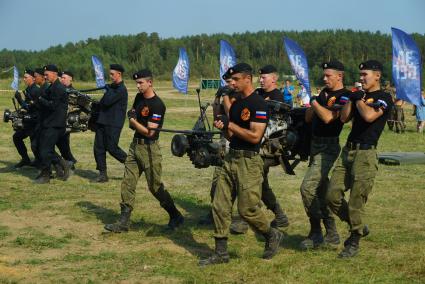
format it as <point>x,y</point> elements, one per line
<point>256,48</point>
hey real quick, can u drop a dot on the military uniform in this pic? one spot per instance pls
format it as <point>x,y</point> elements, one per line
<point>31,94</point>
<point>242,176</point>
<point>145,156</point>
<point>357,166</point>
<point>324,151</point>
<point>112,109</point>
<point>53,108</point>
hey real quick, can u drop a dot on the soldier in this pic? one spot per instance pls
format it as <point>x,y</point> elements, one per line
<point>242,169</point>
<point>357,166</point>
<point>269,91</point>
<point>31,93</point>
<point>35,142</point>
<point>144,155</point>
<point>324,150</point>
<point>64,142</point>
<point>112,108</point>
<point>224,99</point>
<point>53,104</point>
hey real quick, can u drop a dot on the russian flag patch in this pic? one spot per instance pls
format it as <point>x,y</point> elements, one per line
<point>260,115</point>
<point>156,117</point>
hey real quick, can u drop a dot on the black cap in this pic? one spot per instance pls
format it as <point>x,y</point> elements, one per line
<point>144,73</point>
<point>29,72</point>
<point>240,68</point>
<point>267,69</point>
<point>333,64</point>
<point>226,76</point>
<point>51,67</point>
<point>39,71</point>
<point>371,65</point>
<point>69,73</point>
<point>117,67</point>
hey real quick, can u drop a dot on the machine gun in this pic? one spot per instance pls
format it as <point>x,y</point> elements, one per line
<point>83,110</point>
<point>287,137</point>
<point>20,117</point>
<point>197,143</point>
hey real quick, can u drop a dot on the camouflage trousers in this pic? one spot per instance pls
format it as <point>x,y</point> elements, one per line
<point>324,152</point>
<point>355,172</point>
<point>141,158</point>
<point>240,176</point>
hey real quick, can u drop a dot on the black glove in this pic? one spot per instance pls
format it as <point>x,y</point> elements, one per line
<point>379,104</point>
<point>224,91</point>
<point>223,118</point>
<point>357,95</point>
<point>131,114</point>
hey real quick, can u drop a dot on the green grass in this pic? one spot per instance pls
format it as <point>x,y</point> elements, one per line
<point>54,233</point>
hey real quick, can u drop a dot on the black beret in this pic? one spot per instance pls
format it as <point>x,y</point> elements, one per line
<point>144,73</point>
<point>371,65</point>
<point>267,69</point>
<point>117,67</point>
<point>29,72</point>
<point>240,68</point>
<point>69,73</point>
<point>226,76</point>
<point>39,71</point>
<point>333,64</point>
<point>51,67</point>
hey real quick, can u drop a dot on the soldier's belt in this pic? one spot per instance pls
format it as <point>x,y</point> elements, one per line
<point>326,140</point>
<point>143,141</point>
<point>359,146</point>
<point>242,153</point>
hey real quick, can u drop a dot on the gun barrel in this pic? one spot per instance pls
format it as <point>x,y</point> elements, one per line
<point>195,132</point>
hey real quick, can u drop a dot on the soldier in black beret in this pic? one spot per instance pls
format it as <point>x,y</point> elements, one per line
<point>144,155</point>
<point>112,109</point>
<point>269,91</point>
<point>31,93</point>
<point>224,98</point>
<point>326,127</point>
<point>357,166</point>
<point>242,170</point>
<point>63,144</point>
<point>53,104</point>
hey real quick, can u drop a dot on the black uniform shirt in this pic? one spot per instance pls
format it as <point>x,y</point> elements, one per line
<point>368,132</point>
<point>32,93</point>
<point>274,95</point>
<point>149,110</point>
<point>328,98</point>
<point>242,112</point>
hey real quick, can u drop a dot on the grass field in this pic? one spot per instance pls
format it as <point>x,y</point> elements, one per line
<point>54,233</point>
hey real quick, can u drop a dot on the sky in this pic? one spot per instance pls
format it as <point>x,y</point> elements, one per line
<point>37,25</point>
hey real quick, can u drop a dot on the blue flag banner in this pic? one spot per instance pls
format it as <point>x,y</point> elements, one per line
<point>15,82</point>
<point>227,59</point>
<point>98,71</point>
<point>298,62</point>
<point>406,67</point>
<point>181,72</point>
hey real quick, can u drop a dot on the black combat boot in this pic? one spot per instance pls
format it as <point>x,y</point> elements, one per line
<point>273,238</point>
<point>365,232</point>
<point>64,169</point>
<point>103,177</point>
<point>351,246</point>
<point>43,177</point>
<point>23,162</point>
<point>331,237</point>
<point>315,236</point>
<point>280,220</point>
<point>124,222</point>
<point>166,202</point>
<point>220,255</point>
<point>238,226</point>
